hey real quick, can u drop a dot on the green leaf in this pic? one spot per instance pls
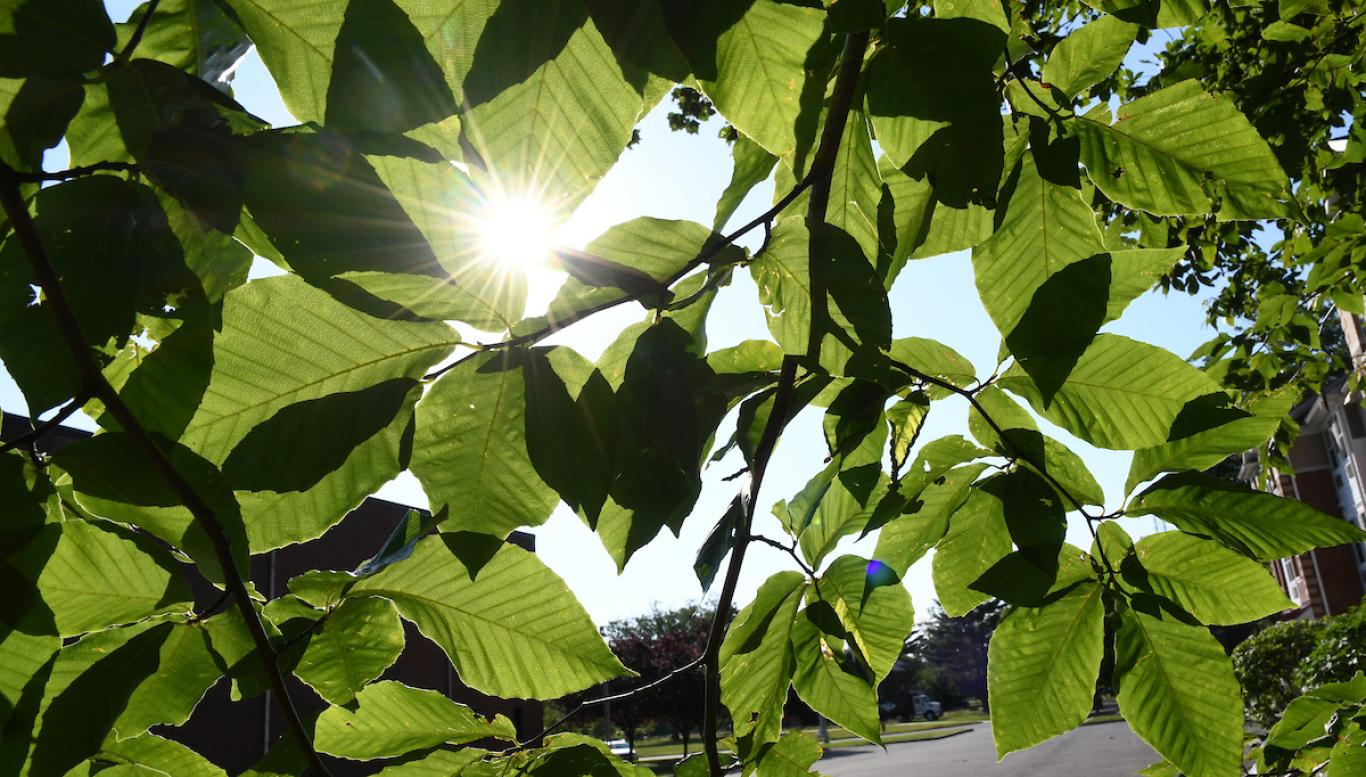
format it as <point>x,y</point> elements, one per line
<point>873,607</point>
<point>905,419</point>
<point>438,763</point>
<point>383,78</point>
<point>570,427</point>
<point>1261,525</point>
<point>35,113</point>
<point>111,247</point>
<point>360,639</point>
<point>1089,55</point>
<point>470,451</point>
<point>516,631</point>
<point>935,359</point>
<point>1022,440</point>
<point>830,683</point>
<point>97,578</point>
<point>153,752</point>
<point>924,520</point>
<point>783,274</point>
<point>316,347</point>
<point>1173,152</point>
<point>1042,667</point>
<point>756,658</point>
<point>945,124</point>
<point>1201,450</point>
<point>1213,583</point>
<point>296,43</point>
<point>792,755</point>
<point>392,719</point>
<point>924,226</point>
<point>1177,691</point>
<point>752,166</point>
<point>548,106</point>
<point>1047,225</point>
<point>1122,394</point>
<point>53,37</point>
<point>190,35</point>
<point>1154,14</point>
<point>976,539</point>
<point>751,60</point>
<point>1027,578</point>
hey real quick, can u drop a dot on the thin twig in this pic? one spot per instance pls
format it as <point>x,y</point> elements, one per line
<point>77,172</point>
<point>38,431</point>
<point>790,550</point>
<point>818,180</point>
<point>971,396</point>
<point>569,319</point>
<point>99,388</point>
<point>127,53</point>
<point>583,705</point>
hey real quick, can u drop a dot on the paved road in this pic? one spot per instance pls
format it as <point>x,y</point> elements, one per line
<point>1100,750</point>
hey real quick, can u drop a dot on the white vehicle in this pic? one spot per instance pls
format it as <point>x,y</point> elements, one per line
<point>922,705</point>
<point>621,749</point>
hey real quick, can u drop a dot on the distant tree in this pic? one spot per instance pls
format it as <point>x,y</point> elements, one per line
<point>956,648</point>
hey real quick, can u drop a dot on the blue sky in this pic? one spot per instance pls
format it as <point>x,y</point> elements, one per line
<point>674,175</point>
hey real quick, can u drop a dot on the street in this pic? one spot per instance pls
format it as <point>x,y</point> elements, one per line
<point>1101,750</point>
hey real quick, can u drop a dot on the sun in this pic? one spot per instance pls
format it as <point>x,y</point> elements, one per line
<point>517,231</point>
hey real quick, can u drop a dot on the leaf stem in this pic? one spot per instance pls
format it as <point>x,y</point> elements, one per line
<point>818,180</point>
<point>38,431</point>
<point>99,388</point>
<point>127,53</point>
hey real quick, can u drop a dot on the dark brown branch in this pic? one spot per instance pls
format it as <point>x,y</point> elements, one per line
<point>127,53</point>
<point>77,172</point>
<point>818,180</point>
<point>99,388</point>
<point>707,254</point>
<point>790,550</point>
<point>38,431</point>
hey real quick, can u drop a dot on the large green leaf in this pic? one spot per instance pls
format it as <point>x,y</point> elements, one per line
<point>1262,525</point>
<point>1022,440</point>
<point>1047,225</point>
<point>1177,691</point>
<point>53,37</point>
<point>1178,150</point>
<point>751,60</point>
<point>1209,581</point>
<point>830,682</point>
<point>360,639</point>
<point>34,114</point>
<point>873,607</point>
<point>756,658</point>
<point>1121,394</point>
<point>1042,667</point>
<point>945,123</point>
<point>471,448</point>
<point>793,755</point>
<point>1089,54</point>
<point>783,274</point>
<point>923,226</point>
<point>296,43</point>
<point>925,519</point>
<point>97,578</point>
<point>549,108</point>
<point>392,719</point>
<point>1203,449</point>
<point>153,752</point>
<point>976,539</point>
<point>514,631</point>
<point>315,347</point>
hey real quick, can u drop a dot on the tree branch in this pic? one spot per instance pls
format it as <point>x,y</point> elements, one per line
<point>818,180</point>
<point>77,172</point>
<point>97,387</point>
<point>52,423</point>
<point>127,53</point>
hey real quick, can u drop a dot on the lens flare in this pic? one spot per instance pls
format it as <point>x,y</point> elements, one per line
<point>517,231</point>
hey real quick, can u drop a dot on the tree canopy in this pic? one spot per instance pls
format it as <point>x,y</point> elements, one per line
<point>240,416</point>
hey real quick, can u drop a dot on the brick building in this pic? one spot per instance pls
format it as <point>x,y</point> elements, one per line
<point>1328,458</point>
<point>235,735</point>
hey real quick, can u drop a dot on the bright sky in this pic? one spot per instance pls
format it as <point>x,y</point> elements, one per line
<point>679,176</point>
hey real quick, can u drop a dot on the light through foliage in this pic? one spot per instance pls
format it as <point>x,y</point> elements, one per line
<point>439,145</point>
